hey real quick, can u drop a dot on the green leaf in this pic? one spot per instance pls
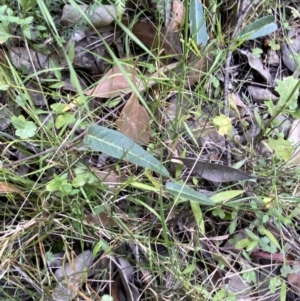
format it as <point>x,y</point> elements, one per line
<point>59,184</point>
<point>259,28</point>
<point>83,176</point>
<point>59,107</point>
<point>107,298</point>
<point>287,89</point>
<point>64,119</point>
<point>243,243</point>
<point>187,193</point>
<point>224,124</point>
<point>251,235</point>
<point>120,146</point>
<point>275,282</point>
<point>71,52</point>
<point>225,196</point>
<point>271,237</point>
<point>198,216</point>
<point>197,23</point>
<point>24,129</point>
<point>4,35</point>
<point>252,245</point>
<point>28,4</point>
<point>257,52</point>
<point>282,148</point>
<point>189,269</point>
<point>283,291</point>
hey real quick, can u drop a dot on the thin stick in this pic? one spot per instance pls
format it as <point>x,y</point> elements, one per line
<point>226,75</point>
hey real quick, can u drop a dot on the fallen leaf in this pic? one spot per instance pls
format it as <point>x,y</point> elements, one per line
<point>99,16</point>
<point>71,276</point>
<point>236,285</point>
<point>256,64</point>
<point>290,51</point>
<point>114,82</point>
<point>9,188</point>
<point>116,287</point>
<point>261,94</point>
<point>294,280</point>
<point>215,172</point>
<point>167,40</point>
<point>197,69</point>
<point>23,58</point>
<point>102,219</point>
<point>109,178</point>
<point>177,15</point>
<point>125,270</point>
<point>134,121</point>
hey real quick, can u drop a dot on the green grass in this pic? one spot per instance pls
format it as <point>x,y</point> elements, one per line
<point>178,249</point>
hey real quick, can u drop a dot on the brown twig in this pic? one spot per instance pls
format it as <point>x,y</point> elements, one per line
<point>227,66</point>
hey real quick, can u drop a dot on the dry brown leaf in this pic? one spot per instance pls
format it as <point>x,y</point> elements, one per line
<point>294,280</point>
<point>9,188</point>
<point>134,121</point>
<point>116,287</point>
<point>261,94</point>
<point>101,219</point>
<point>168,40</point>
<point>177,15</point>
<point>114,82</point>
<point>109,177</point>
<point>198,70</point>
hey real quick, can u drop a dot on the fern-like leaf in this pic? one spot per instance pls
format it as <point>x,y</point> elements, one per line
<point>120,7</point>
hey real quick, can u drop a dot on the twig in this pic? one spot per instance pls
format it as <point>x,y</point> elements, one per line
<point>226,75</point>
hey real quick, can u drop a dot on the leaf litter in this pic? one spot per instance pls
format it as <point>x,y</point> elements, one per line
<point>224,208</point>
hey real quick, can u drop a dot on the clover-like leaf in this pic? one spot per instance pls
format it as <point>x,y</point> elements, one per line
<point>224,124</point>
<point>24,129</point>
<point>288,89</point>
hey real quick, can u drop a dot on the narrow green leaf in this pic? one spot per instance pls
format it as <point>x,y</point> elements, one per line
<point>251,235</point>
<point>187,193</point>
<point>198,216</point>
<point>283,291</point>
<point>225,196</point>
<point>120,146</point>
<point>189,269</point>
<point>197,23</point>
<point>270,235</point>
<point>259,28</point>
<point>252,245</point>
<point>243,243</point>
